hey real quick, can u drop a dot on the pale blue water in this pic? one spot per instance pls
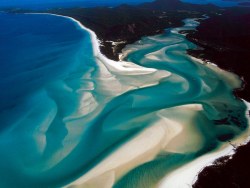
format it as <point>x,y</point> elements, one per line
<point>63,110</point>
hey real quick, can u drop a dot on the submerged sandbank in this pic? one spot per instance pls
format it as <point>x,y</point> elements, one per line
<point>113,108</point>
<point>114,172</point>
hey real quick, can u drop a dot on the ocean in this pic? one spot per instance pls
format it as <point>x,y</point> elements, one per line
<point>37,4</point>
<point>69,116</point>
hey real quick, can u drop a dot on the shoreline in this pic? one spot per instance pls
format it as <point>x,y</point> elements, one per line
<point>223,151</point>
<point>121,65</point>
<point>207,160</point>
<point>216,154</point>
<point>217,167</point>
<point>224,40</point>
<point>93,36</point>
<point>125,24</point>
<point>235,61</point>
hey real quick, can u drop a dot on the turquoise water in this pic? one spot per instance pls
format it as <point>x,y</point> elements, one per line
<point>65,109</point>
<point>191,82</point>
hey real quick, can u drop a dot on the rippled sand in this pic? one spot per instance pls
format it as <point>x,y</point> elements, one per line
<point>123,124</point>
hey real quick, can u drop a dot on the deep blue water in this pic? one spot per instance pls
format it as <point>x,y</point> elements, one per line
<point>63,108</point>
<point>32,54</point>
<point>38,52</point>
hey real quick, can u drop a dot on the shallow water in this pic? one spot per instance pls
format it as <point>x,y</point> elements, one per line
<point>65,110</point>
<point>191,82</point>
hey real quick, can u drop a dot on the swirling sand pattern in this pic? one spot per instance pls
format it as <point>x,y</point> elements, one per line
<point>100,123</point>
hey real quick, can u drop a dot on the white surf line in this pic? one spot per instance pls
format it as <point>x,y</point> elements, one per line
<point>126,68</point>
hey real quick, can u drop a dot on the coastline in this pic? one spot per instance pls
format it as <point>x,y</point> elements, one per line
<point>191,171</point>
<point>209,158</point>
<point>124,67</point>
<point>125,24</point>
<point>228,55</point>
<point>233,166</point>
<point>224,40</point>
<point>94,39</point>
